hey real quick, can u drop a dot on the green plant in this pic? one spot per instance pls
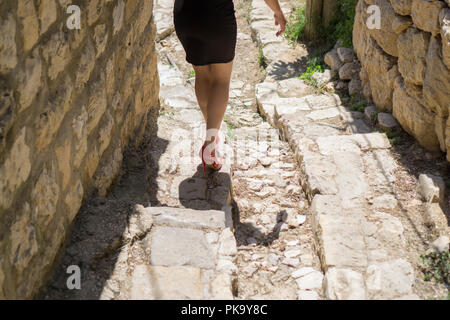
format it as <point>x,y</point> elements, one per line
<point>355,104</point>
<point>314,64</point>
<point>436,265</point>
<point>295,28</point>
<point>393,137</point>
<point>191,74</point>
<point>341,27</point>
<point>261,60</point>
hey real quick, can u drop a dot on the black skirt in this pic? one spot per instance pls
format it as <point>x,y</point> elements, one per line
<point>207,29</point>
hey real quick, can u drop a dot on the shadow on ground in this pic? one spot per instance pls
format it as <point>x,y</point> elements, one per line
<point>98,231</point>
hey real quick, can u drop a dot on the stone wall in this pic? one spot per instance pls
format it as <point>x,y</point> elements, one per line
<point>71,101</point>
<point>406,65</point>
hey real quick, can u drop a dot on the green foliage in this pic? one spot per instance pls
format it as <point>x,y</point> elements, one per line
<point>315,64</point>
<point>342,25</point>
<point>295,28</point>
<point>355,104</point>
<point>393,137</point>
<point>191,74</point>
<point>436,265</point>
<point>261,60</point>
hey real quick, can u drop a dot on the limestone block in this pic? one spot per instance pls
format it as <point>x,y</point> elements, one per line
<point>118,15</point>
<point>437,81</point>
<point>180,247</point>
<point>435,218</point>
<point>389,279</point>
<point>432,188</point>
<point>15,169</point>
<point>97,103</point>
<point>292,87</point>
<point>332,60</point>
<point>73,200</point>
<point>57,54</point>
<point>166,283</point>
<point>425,15</point>
<point>384,36</point>
<point>100,38</point>
<point>108,172</point>
<point>227,243</point>
<point>381,67</point>
<point>319,172</point>
<point>188,218</point>
<point>386,121</point>
<point>308,295</point>
<point>444,19</point>
<point>49,121</point>
<point>8,49</point>
<point>47,14</point>
<point>23,239</point>
<point>447,139</point>
<point>400,24</point>
<point>414,117</point>
<point>402,7</point>
<point>86,65</point>
<point>79,128</point>
<point>310,281</point>
<point>221,287</point>
<point>105,132</point>
<point>45,197</point>
<point>93,11</point>
<point>412,54</point>
<point>26,12</point>
<point>344,284</point>
<point>345,54</point>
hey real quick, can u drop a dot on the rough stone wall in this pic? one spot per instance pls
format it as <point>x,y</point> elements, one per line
<point>70,102</point>
<point>406,65</point>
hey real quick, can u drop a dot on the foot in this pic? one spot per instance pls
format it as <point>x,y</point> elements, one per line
<point>210,155</point>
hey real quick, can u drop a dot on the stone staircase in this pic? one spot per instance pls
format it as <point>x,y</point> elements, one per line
<point>348,175</point>
<point>191,245</point>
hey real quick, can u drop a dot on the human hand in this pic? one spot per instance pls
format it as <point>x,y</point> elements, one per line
<point>280,20</point>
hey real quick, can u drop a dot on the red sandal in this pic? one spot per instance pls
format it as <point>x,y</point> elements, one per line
<point>210,156</point>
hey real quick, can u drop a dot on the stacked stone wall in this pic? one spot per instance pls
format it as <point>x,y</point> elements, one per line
<point>406,64</point>
<point>71,101</point>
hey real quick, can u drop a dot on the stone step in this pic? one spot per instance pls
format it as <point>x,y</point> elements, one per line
<point>191,256</point>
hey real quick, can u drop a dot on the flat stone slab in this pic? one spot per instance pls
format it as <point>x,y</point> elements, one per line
<point>344,284</point>
<point>189,218</point>
<point>325,114</point>
<point>288,106</point>
<point>181,247</point>
<point>317,102</point>
<point>188,188</point>
<point>178,97</point>
<point>163,17</point>
<point>390,279</point>
<point>386,121</point>
<point>169,76</point>
<point>166,283</point>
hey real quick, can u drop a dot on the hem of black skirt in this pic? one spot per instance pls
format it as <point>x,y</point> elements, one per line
<point>210,62</point>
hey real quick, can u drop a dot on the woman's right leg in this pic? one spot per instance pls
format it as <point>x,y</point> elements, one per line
<point>203,87</point>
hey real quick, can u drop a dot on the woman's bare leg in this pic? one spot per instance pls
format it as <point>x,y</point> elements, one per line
<point>202,87</point>
<point>218,94</point>
<point>212,86</point>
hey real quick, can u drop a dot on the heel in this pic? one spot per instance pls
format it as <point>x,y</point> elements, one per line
<point>203,160</point>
